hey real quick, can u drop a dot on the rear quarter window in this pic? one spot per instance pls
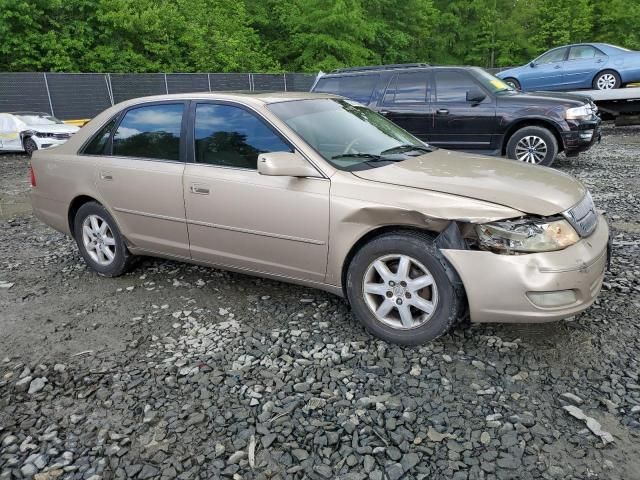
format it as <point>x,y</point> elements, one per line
<point>356,87</point>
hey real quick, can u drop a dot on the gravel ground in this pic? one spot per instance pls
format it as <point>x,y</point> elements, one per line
<point>180,371</point>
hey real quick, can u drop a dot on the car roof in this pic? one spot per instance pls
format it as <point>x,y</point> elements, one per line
<point>247,97</point>
<point>384,68</point>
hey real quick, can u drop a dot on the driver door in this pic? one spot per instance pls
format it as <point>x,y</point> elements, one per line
<point>546,72</point>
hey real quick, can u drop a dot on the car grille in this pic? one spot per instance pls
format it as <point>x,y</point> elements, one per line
<point>583,216</point>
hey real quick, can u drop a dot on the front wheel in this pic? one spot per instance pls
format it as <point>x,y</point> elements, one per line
<point>513,83</point>
<point>30,146</point>
<point>607,80</point>
<point>402,289</point>
<point>536,145</point>
<point>99,240</point>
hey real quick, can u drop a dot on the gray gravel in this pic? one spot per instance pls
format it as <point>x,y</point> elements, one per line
<point>178,371</point>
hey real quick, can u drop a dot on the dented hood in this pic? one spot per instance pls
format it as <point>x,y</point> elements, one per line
<point>527,188</point>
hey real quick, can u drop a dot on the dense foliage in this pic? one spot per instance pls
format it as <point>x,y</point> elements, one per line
<point>297,35</point>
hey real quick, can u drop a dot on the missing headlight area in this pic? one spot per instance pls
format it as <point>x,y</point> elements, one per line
<point>526,235</point>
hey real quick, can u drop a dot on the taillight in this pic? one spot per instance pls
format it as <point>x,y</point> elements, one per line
<point>32,176</point>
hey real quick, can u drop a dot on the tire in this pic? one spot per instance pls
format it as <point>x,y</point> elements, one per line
<point>445,294</point>
<point>512,82</point>
<point>536,145</point>
<point>606,80</point>
<point>111,239</point>
<point>30,146</point>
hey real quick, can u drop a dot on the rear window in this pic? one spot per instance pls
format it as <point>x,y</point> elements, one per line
<point>356,87</point>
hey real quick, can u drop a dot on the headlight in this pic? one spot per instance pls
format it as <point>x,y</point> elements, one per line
<point>579,113</point>
<point>527,235</point>
<point>43,135</point>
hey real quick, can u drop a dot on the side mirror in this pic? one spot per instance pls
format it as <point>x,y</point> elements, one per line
<point>475,95</point>
<point>285,164</point>
<point>532,64</point>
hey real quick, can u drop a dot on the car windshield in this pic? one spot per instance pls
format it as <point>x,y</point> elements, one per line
<point>37,119</point>
<point>348,135</point>
<point>494,84</point>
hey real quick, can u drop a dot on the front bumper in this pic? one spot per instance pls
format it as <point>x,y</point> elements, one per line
<point>581,136</point>
<point>500,287</point>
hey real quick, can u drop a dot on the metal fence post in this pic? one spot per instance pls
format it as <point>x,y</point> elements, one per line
<point>209,81</point>
<point>46,84</point>
<point>166,85</point>
<point>284,77</point>
<point>107,79</point>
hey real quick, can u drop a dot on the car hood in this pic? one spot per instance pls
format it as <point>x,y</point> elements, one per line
<point>528,188</point>
<point>54,128</point>
<point>536,98</point>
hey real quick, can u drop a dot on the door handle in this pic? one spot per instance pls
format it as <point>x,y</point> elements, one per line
<point>199,189</point>
<point>442,111</point>
<point>106,176</point>
<point>557,67</point>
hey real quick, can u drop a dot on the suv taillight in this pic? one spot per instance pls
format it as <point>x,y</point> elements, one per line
<point>32,176</point>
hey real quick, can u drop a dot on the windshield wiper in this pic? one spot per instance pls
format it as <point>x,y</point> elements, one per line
<point>406,147</point>
<point>356,155</point>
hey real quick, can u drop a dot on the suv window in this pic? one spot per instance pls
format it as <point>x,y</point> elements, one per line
<point>231,136</point>
<point>356,87</point>
<point>99,141</point>
<point>452,86</point>
<point>584,51</point>
<point>553,56</point>
<point>408,87</point>
<point>152,131</point>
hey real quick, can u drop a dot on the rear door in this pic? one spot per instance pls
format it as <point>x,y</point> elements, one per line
<point>583,63</point>
<point>240,218</point>
<point>406,103</point>
<point>139,170</point>
<point>457,123</point>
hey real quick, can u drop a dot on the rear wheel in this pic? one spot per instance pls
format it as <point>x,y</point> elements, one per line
<point>607,80</point>
<point>535,145</point>
<point>30,146</point>
<point>512,82</point>
<point>402,290</point>
<point>100,241</point>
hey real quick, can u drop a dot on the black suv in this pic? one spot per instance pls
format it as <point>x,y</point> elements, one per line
<point>466,108</point>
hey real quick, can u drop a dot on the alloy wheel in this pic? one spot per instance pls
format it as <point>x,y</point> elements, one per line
<point>606,81</point>
<point>531,149</point>
<point>98,240</point>
<point>400,291</point>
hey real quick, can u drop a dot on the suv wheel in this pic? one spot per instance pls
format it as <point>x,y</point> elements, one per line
<point>536,145</point>
<point>402,289</point>
<point>606,80</point>
<point>30,146</point>
<point>99,240</point>
<point>512,82</point>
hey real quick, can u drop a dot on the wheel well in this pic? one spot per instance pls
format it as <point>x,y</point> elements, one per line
<point>367,237</point>
<point>531,123</point>
<point>74,207</point>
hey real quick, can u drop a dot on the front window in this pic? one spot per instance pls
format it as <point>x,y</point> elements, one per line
<point>453,85</point>
<point>491,83</point>
<point>553,56</point>
<point>37,119</point>
<point>348,135</point>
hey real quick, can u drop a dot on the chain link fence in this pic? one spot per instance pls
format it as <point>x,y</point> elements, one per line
<point>84,95</point>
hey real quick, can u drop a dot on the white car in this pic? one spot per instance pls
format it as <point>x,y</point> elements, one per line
<point>31,131</point>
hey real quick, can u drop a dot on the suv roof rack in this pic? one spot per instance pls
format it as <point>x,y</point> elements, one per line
<point>381,67</point>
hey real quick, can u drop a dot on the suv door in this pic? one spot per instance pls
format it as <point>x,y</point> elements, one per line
<point>460,124</point>
<point>241,219</point>
<point>405,103</point>
<point>545,72</point>
<point>139,166</point>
